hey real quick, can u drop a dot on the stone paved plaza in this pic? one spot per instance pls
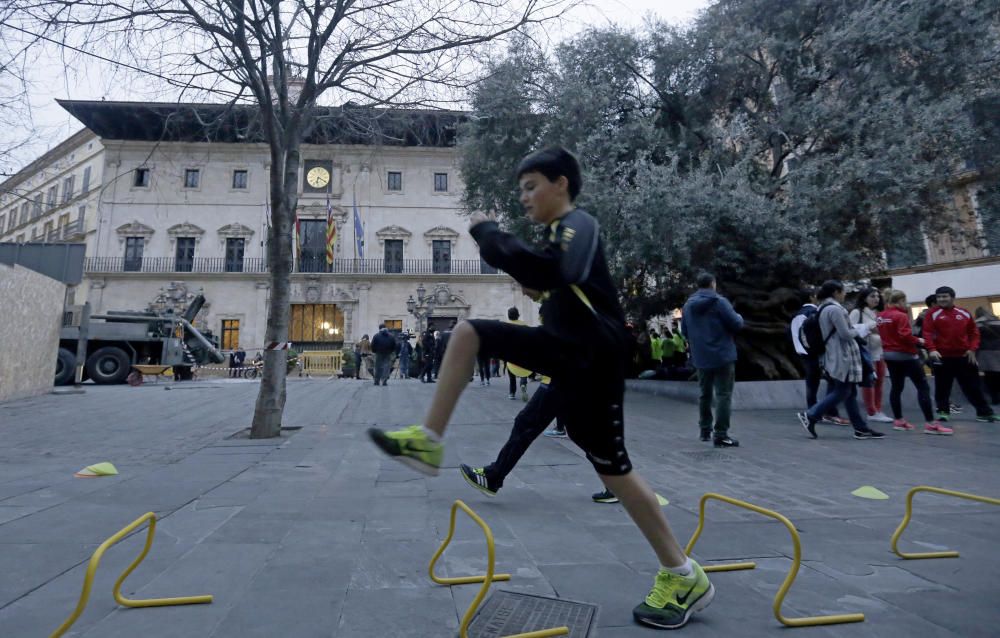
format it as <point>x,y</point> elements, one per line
<point>317,535</point>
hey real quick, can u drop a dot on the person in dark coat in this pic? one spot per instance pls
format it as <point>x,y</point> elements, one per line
<point>709,323</point>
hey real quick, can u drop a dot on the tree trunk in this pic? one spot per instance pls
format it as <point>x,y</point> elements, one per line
<point>284,198</point>
<point>764,345</point>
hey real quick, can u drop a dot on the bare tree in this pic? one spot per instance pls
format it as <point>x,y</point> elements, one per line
<point>283,57</point>
<point>16,43</point>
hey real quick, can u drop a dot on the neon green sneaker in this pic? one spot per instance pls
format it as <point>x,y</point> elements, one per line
<point>674,598</point>
<point>411,447</point>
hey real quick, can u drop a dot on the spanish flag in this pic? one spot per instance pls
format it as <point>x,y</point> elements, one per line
<point>331,232</point>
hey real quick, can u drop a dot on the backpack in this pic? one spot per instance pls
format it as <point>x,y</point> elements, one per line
<point>811,334</point>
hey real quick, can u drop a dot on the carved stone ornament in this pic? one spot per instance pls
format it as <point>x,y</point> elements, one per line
<point>440,233</point>
<point>185,230</point>
<point>312,294</point>
<point>176,297</point>
<point>235,231</point>
<point>134,228</point>
<point>448,303</point>
<point>393,232</point>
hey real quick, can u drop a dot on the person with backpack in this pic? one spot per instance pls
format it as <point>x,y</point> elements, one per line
<point>866,309</point>
<point>832,338</point>
<point>900,352</point>
<point>810,362</point>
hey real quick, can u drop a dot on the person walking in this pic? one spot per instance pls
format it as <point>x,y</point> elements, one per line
<point>952,338</point>
<point>810,362</point>
<point>580,346</point>
<point>841,361</point>
<point>365,350</point>
<point>429,347</point>
<point>899,346</point>
<point>383,346</point>
<point>989,352</point>
<point>656,349</point>
<point>515,373</point>
<point>709,322</point>
<point>483,363</point>
<point>866,309</point>
<point>405,354</point>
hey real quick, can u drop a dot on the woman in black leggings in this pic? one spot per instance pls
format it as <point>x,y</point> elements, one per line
<point>900,353</point>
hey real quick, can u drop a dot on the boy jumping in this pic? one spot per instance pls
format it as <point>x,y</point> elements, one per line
<point>582,347</point>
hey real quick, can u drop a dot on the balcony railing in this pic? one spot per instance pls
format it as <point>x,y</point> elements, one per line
<point>305,265</point>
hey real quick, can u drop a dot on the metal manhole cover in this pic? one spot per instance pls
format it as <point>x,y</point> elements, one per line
<point>507,613</point>
<point>708,456</point>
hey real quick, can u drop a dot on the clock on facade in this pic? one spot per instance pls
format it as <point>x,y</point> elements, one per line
<point>318,177</point>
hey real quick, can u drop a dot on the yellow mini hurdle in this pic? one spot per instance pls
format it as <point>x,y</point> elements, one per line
<point>95,560</point>
<point>909,513</point>
<point>486,580</point>
<point>807,621</point>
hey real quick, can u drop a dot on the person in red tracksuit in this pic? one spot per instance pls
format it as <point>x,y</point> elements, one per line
<point>952,338</point>
<point>899,348</point>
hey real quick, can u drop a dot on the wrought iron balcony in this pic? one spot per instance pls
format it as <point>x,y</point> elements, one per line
<point>304,265</point>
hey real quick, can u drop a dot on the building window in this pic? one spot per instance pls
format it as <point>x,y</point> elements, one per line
<point>440,182</point>
<point>3,218</point>
<point>240,179</point>
<point>230,334</point>
<point>24,213</point>
<point>53,197</point>
<point>442,256</point>
<point>47,231</point>
<point>313,323</point>
<point>20,239</point>
<point>36,207</point>
<point>133,254</point>
<point>395,326</point>
<point>395,181</point>
<point>141,178</point>
<point>12,221</point>
<point>68,188</point>
<point>394,255</point>
<point>184,254</point>
<point>86,179</point>
<point>63,220</point>
<point>234,254</point>
<point>192,177</point>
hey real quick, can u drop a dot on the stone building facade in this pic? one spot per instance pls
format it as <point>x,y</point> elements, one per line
<point>168,216</point>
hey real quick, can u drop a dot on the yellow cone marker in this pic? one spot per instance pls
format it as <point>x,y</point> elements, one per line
<point>867,491</point>
<point>662,500</point>
<point>97,469</point>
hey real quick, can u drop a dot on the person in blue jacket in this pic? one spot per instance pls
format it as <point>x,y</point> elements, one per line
<point>709,323</point>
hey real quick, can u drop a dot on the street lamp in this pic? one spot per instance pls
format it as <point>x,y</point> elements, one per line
<point>421,308</point>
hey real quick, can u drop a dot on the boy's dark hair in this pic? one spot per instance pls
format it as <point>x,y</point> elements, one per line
<point>828,289</point>
<point>381,326</point>
<point>806,294</point>
<point>945,290</point>
<point>513,313</point>
<point>930,300</point>
<point>554,162</point>
<point>705,279</point>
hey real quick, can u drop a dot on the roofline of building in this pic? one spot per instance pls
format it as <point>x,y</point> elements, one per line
<point>950,265</point>
<point>23,174</point>
<point>242,105</point>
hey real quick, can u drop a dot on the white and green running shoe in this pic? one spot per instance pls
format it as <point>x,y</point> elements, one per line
<point>410,446</point>
<point>674,598</point>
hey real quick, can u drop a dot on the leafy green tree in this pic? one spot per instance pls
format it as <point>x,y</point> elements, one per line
<point>771,143</point>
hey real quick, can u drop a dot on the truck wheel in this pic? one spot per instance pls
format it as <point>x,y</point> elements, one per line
<point>108,365</point>
<point>65,367</point>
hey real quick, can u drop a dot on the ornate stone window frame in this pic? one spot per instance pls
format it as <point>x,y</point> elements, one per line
<point>441,233</point>
<point>185,229</point>
<point>135,228</point>
<point>234,231</point>
<point>393,232</point>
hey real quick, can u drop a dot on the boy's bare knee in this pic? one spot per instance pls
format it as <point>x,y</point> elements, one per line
<point>465,332</point>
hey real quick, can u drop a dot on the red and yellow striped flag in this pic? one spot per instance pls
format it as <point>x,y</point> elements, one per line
<point>331,232</point>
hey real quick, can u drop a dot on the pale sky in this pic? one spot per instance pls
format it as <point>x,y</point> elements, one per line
<point>51,81</point>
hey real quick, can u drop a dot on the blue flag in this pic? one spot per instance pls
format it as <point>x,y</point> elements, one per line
<point>359,232</point>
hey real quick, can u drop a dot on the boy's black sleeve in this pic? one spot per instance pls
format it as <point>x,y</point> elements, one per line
<point>567,261</point>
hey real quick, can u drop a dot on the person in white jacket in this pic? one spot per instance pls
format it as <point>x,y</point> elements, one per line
<point>866,309</point>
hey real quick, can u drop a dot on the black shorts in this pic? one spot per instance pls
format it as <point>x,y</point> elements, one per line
<point>588,382</point>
